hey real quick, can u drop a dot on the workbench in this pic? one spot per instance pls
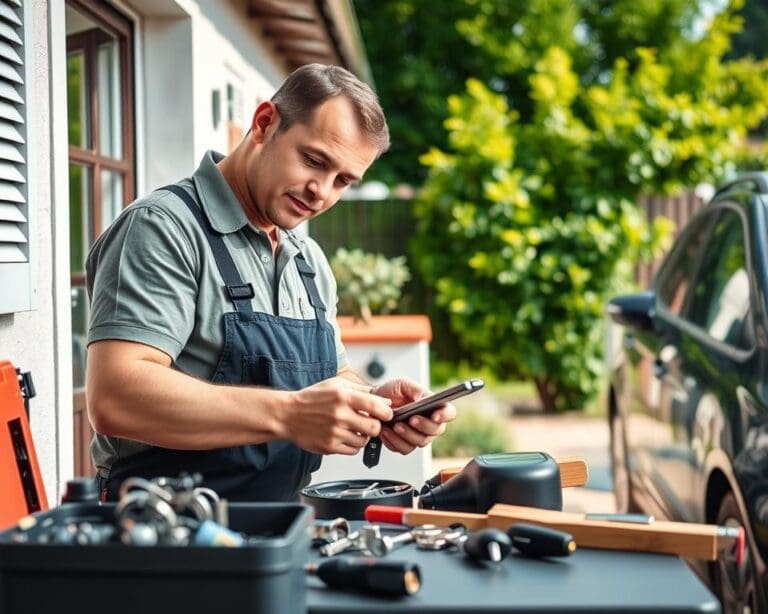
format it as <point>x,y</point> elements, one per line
<point>588,581</point>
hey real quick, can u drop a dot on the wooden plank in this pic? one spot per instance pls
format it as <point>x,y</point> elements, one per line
<point>294,9</point>
<point>573,472</point>
<point>686,539</point>
<point>280,27</point>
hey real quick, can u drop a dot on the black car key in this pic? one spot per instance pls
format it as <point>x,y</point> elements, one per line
<point>372,452</point>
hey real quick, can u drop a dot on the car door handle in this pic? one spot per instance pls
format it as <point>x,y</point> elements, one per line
<point>661,365</point>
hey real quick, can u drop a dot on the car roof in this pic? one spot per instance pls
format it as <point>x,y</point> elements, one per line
<point>759,180</point>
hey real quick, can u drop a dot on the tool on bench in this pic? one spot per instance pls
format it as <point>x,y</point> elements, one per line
<point>535,541</point>
<point>329,531</point>
<point>690,540</point>
<point>482,545</point>
<point>522,478</point>
<point>349,498</point>
<point>351,541</point>
<point>396,578</point>
<point>486,545</point>
<point>426,537</point>
<point>573,471</point>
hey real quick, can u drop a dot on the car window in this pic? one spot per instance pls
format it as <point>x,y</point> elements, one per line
<point>679,268</point>
<point>720,297</point>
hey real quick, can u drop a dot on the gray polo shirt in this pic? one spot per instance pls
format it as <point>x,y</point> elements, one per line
<point>152,279</point>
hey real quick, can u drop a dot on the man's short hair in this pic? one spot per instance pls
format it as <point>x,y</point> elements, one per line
<point>307,87</point>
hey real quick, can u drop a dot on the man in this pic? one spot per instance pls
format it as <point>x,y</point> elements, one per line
<point>213,344</point>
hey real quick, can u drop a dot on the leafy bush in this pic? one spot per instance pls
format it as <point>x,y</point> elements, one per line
<point>527,223</point>
<point>472,433</point>
<point>368,283</point>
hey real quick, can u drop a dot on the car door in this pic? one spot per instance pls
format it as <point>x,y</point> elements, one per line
<point>716,347</point>
<point>655,380</point>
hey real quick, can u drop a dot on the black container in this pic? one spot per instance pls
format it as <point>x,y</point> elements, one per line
<point>515,478</point>
<point>330,502</point>
<point>267,575</point>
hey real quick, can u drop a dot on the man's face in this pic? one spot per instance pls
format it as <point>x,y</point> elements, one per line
<point>296,174</point>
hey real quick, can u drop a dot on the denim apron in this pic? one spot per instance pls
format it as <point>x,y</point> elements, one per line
<point>260,349</point>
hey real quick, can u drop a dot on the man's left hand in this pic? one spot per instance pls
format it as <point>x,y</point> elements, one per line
<point>417,431</point>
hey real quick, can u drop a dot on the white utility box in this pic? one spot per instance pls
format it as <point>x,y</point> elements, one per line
<point>384,348</point>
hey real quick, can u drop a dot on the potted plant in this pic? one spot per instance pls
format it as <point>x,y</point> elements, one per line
<point>368,283</point>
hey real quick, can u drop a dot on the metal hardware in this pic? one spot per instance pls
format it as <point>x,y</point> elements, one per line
<point>431,537</point>
<point>165,510</point>
<point>350,542</point>
<point>329,531</point>
<point>427,537</point>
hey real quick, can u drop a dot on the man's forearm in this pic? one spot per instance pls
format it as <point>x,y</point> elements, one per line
<point>134,393</point>
<point>349,374</point>
<point>153,403</point>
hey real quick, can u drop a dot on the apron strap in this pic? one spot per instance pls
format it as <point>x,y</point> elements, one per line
<point>308,279</point>
<point>239,293</point>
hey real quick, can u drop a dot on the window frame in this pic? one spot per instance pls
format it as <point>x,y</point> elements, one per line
<point>87,42</point>
<point>736,217</point>
<point>671,260</point>
<point>736,353</point>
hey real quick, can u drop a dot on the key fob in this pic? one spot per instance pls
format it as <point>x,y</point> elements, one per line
<point>372,452</point>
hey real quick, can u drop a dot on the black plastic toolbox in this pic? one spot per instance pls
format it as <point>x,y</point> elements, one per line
<point>266,575</point>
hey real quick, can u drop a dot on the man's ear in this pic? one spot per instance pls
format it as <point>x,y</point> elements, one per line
<point>265,120</point>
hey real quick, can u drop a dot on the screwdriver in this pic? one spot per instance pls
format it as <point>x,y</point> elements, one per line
<point>533,540</point>
<point>487,545</point>
<point>396,578</point>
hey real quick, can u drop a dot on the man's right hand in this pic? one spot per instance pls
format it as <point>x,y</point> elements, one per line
<point>334,416</point>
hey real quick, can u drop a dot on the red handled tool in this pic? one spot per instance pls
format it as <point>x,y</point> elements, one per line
<point>691,540</point>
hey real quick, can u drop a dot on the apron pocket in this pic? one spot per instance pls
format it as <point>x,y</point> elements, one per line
<point>262,370</point>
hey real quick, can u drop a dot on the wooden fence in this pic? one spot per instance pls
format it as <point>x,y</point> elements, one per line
<point>382,227</point>
<point>679,209</point>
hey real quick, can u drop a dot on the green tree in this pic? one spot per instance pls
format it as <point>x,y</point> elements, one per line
<point>418,60</point>
<point>752,39</point>
<point>527,221</point>
<point>422,52</point>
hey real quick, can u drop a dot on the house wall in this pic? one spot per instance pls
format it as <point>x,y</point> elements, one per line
<point>184,51</point>
<point>208,44</point>
<point>38,340</point>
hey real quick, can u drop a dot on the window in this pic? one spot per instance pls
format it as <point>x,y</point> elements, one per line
<point>235,115</point>
<point>101,161</point>
<point>680,266</point>
<point>15,267</point>
<point>101,165</point>
<point>720,298</point>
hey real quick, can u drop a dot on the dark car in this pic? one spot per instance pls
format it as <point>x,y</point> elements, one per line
<point>688,403</point>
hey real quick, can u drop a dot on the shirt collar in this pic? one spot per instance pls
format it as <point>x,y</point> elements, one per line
<point>221,207</point>
<point>219,203</point>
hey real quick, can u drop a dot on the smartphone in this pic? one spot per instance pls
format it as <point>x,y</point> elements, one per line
<point>437,400</point>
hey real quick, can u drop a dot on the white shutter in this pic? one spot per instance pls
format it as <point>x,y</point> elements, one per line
<point>15,273</point>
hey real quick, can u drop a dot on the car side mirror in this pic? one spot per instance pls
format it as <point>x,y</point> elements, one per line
<point>636,310</point>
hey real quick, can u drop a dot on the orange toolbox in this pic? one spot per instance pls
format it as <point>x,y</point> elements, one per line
<point>21,483</point>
